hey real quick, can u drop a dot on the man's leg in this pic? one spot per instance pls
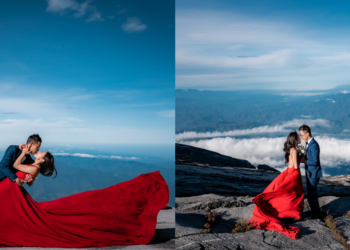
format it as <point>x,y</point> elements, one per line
<point>312,196</point>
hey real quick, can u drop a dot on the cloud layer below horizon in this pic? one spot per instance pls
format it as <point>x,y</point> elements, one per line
<point>334,152</point>
<point>97,156</point>
<point>283,127</point>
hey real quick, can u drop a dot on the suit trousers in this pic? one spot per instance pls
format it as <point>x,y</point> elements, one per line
<point>312,197</point>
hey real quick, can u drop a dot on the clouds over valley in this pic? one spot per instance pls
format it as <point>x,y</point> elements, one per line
<point>278,128</point>
<point>334,152</point>
<point>260,124</point>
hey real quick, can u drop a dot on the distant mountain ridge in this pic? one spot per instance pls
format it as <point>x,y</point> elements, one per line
<point>209,111</point>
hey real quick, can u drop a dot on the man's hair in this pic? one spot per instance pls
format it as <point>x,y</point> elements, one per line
<point>35,138</point>
<point>305,128</point>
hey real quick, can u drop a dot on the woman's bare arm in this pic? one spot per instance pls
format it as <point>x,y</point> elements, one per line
<point>24,168</point>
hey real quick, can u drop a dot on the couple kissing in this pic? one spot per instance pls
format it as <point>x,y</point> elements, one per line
<point>122,214</point>
<point>283,198</point>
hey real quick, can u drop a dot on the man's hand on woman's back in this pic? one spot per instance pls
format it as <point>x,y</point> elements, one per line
<point>28,178</point>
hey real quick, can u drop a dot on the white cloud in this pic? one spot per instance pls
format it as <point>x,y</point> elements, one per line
<point>341,59</point>
<point>95,16</point>
<point>17,105</point>
<point>302,94</point>
<point>70,132</point>
<point>331,100</point>
<point>333,152</point>
<point>61,5</point>
<point>283,127</point>
<point>249,51</point>
<point>63,154</point>
<point>204,27</point>
<point>345,92</point>
<point>125,158</point>
<point>256,151</point>
<point>274,59</point>
<point>84,155</point>
<point>133,24</point>
<point>47,112</point>
<point>76,154</point>
<point>73,119</point>
<point>79,9</point>
<point>167,113</point>
<point>99,156</point>
<point>306,116</point>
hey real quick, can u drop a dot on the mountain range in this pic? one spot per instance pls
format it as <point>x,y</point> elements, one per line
<point>208,111</point>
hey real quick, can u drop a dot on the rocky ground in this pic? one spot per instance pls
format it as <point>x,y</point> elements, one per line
<point>190,220</point>
<point>198,180</point>
<point>229,190</point>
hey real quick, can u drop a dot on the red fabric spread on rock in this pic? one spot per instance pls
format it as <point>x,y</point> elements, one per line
<point>283,198</point>
<point>123,214</point>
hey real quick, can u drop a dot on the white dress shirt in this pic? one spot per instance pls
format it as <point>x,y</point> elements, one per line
<point>24,158</point>
<point>308,142</point>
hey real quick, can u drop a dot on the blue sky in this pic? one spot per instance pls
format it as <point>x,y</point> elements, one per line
<point>230,45</point>
<point>87,71</point>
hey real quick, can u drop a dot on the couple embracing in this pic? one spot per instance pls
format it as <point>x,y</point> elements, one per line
<point>122,214</point>
<point>283,198</point>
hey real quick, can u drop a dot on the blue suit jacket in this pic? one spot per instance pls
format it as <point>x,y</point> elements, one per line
<point>6,164</point>
<point>313,165</point>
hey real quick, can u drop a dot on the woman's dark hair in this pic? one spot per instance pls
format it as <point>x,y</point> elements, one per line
<point>291,142</point>
<point>47,168</point>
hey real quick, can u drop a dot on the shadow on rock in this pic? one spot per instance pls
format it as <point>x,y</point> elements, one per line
<point>163,235</point>
<point>338,206</point>
<point>304,231</point>
<point>224,226</point>
<point>191,220</point>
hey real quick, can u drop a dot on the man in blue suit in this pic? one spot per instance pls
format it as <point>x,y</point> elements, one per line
<point>12,153</point>
<point>313,170</point>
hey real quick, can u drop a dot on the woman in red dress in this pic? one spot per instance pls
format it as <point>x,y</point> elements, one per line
<point>123,214</point>
<point>284,196</point>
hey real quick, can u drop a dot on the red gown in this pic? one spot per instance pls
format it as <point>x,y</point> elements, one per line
<point>123,214</point>
<point>283,197</point>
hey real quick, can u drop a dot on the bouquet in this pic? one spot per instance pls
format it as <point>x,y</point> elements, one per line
<point>301,150</point>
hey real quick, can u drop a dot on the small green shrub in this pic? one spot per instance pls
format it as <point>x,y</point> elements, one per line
<point>243,226</point>
<point>211,218</point>
<point>332,225</point>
